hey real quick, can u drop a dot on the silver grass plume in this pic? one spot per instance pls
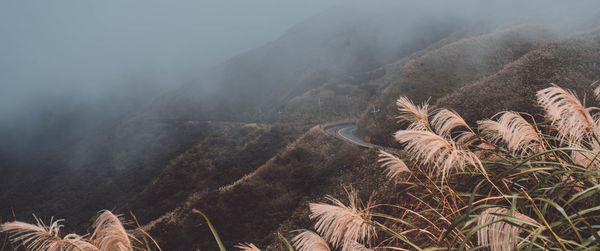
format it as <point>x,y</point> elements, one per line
<point>44,237</point>
<point>109,233</point>
<point>597,89</point>
<point>309,241</point>
<point>442,155</point>
<point>500,235</point>
<point>445,121</point>
<point>394,166</point>
<point>355,246</point>
<point>417,116</point>
<point>512,128</point>
<point>570,117</point>
<point>340,224</point>
<point>247,247</point>
<point>584,158</point>
<point>79,243</point>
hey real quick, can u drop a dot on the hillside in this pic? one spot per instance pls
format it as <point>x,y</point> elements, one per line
<point>443,70</point>
<point>252,208</point>
<point>498,64</point>
<point>219,159</point>
<point>343,42</point>
<point>571,62</point>
<point>244,143</point>
<point>329,57</point>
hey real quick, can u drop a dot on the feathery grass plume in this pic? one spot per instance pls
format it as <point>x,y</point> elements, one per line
<point>571,118</point>
<point>246,247</point>
<point>585,159</point>
<point>445,121</point>
<point>44,237</point>
<point>443,154</point>
<point>394,166</point>
<point>340,224</point>
<point>519,135</point>
<point>310,241</point>
<point>355,246</point>
<point>500,235</point>
<point>417,116</point>
<point>79,243</point>
<point>109,233</point>
<point>596,89</point>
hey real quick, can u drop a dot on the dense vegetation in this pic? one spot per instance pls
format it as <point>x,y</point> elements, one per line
<point>511,182</point>
<point>255,171</point>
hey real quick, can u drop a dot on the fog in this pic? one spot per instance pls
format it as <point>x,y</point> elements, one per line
<point>82,51</point>
<point>67,52</point>
<point>73,63</point>
<point>77,77</point>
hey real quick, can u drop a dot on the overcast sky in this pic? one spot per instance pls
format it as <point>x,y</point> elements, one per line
<point>53,48</point>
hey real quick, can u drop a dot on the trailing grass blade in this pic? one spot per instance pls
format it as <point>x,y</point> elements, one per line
<point>212,229</point>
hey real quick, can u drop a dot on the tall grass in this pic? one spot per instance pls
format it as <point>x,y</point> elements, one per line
<point>109,235</point>
<point>514,182</point>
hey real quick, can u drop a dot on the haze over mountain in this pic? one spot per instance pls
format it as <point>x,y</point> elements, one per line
<point>217,106</point>
<point>112,56</point>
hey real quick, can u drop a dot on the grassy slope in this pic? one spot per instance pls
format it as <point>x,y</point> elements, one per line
<point>252,208</point>
<point>112,164</point>
<point>219,159</point>
<point>572,63</point>
<point>441,71</point>
<point>278,192</point>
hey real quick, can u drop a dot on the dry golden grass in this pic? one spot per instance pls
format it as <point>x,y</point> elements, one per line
<point>416,115</point>
<point>533,194</point>
<point>441,155</point>
<point>520,136</point>
<point>309,241</point>
<point>247,247</point>
<point>109,235</point>
<point>394,166</point>
<point>44,237</point>
<point>342,225</point>
<point>572,120</point>
<point>499,234</point>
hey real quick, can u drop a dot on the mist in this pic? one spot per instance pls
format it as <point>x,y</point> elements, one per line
<point>122,54</point>
<point>82,51</point>
<point>112,91</point>
<point>111,57</point>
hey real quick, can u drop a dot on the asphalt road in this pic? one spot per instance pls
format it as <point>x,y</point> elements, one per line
<point>346,132</point>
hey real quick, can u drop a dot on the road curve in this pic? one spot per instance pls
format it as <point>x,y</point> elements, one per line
<point>346,132</point>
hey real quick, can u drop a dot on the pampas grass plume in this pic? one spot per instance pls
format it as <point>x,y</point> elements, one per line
<point>109,233</point>
<point>394,166</point>
<point>340,224</point>
<point>309,241</point>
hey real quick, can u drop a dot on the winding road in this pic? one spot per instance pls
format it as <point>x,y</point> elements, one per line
<point>346,132</point>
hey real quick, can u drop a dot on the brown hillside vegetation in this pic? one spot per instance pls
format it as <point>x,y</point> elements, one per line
<point>274,197</point>
<point>219,159</point>
<point>107,165</point>
<point>572,63</point>
<point>443,70</point>
<point>252,208</point>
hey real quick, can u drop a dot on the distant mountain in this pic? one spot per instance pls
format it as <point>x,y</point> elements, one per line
<point>477,71</point>
<point>243,143</point>
<point>572,62</point>
<point>77,169</point>
<point>344,41</point>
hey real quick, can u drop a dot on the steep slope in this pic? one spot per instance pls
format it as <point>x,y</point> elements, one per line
<point>345,41</point>
<point>217,160</point>
<point>572,63</point>
<point>109,163</point>
<point>252,208</point>
<point>443,70</point>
